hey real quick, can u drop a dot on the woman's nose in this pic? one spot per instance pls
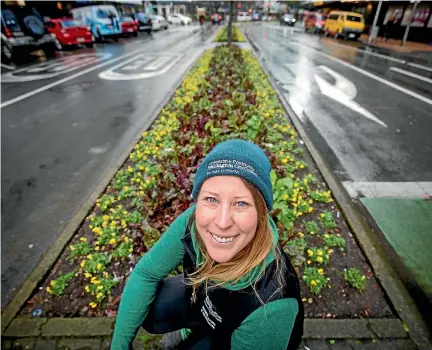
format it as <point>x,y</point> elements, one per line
<point>223,219</point>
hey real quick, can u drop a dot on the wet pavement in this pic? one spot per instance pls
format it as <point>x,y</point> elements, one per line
<point>368,113</point>
<point>66,121</point>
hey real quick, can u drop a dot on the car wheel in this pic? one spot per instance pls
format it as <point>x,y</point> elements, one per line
<point>135,34</point>
<point>183,23</point>
<point>336,35</point>
<point>6,53</point>
<point>50,51</point>
<point>116,39</point>
<point>89,45</point>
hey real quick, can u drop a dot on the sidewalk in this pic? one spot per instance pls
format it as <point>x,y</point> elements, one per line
<point>395,45</point>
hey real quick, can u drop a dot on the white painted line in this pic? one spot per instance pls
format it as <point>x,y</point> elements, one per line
<point>370,75</point>
<point>386,189</point>
<point>420,66</point>
<point>61,81</point>
<point>7,66</point>
<point>157,64</point>
<point>394,59</point>
<point>53,68</point>
<point>420,77</point>
<point>110,73</point>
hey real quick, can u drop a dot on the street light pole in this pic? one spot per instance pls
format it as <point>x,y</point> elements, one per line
<point>405,37</point>
<point>229,29</point>
<point>375,22</point>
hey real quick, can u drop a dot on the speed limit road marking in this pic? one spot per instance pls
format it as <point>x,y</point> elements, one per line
<point>142,66</point>
<point>53,68</point>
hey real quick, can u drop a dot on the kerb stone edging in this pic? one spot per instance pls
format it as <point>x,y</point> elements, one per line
<point>394,288</point>
<point>22,327</point>
<point>53,252</point>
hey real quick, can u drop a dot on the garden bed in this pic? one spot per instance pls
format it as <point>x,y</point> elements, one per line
<point>226,95</point>
<point>222,35</point>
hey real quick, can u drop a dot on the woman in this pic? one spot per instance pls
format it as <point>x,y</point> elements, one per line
<point>239,290</point>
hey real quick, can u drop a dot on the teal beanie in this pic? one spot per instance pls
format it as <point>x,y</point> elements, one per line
<point>237,158</point>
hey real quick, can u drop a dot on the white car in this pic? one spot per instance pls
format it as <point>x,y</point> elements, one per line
<point>159,22</point>
<point>244,17</point>
<point>179,19</point>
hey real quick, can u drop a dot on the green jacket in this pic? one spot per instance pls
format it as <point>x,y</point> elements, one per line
<point>269,327</point>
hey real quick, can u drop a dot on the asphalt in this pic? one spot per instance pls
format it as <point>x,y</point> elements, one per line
<point>396,146</point>
<point>61,132</point>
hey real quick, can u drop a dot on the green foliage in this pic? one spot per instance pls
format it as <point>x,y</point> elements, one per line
<point>314,279</point>
<point>79,249</point>
<point>327,220</point>
<point>355,279</point>
<point>58,286</point>
<point>334,241</point>
<point>123,250</point>
<point>311,227</point>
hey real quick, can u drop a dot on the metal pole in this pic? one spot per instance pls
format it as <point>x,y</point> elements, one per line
<point>375,21</point>
<point>405,37</point>
<point>229,29</point>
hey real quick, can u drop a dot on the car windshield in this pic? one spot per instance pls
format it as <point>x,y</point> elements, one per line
<point>288,16</point>
<point>104,13</point>
<point>68,24</point>
<point>354,18</point>
<point>10,20</point>
<point>126,19</point>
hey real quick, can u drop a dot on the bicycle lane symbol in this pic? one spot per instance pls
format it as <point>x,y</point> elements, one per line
<point>53,68</point>
<point>142,66</point>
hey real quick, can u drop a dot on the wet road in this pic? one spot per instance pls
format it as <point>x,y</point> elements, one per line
<point>66,121</point>
<point>370,114</point>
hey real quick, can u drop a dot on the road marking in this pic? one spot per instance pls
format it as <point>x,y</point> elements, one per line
<point>370,75</point>
<point>420,77</point>
<point>61,81</point>
<point>358,189</point>
<point>53,68</point>
<point>344,92</point>
<point>394,59</point>
<point>7,66</point>
<point>136,68</point>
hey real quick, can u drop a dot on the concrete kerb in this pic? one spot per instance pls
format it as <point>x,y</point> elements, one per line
<point>104,327</point>
<point>53,252</point>
<point>394,288</point>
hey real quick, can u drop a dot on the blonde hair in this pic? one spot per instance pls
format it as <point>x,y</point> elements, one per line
<point>246,260</point>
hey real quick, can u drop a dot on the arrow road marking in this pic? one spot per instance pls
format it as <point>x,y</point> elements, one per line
<point>343,91</point>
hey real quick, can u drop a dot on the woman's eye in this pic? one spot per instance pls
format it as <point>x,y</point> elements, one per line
<point>242,204</point>
<point>211,199</point>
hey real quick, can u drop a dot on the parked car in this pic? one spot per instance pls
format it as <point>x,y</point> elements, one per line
<point>144,22</point>
<point>256,17</point>
<point>177,18</point>
<point>69,32</point>
<point>315,22</point>
<point>159,22</point>
<point>348,25</point>
<point>129,26</point>
<point>22,32</point>
<point>287,20</point>
<point>216,18</point>
<point>244,17</point>
<point>103,20</point>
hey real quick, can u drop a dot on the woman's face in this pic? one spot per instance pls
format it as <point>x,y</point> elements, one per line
<point>226,216</point>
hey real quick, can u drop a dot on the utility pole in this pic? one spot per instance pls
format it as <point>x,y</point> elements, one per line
<point>405,37</point>
<point>373,33</point>
<point>229,29</point>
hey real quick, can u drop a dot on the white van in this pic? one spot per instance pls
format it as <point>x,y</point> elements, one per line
<point>103,20</point>
<point>244,17</point>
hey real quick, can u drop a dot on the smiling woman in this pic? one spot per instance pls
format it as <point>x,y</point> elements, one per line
<point>232,261</point>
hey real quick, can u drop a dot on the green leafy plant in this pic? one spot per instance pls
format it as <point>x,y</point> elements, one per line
<point>311,227</point>
<point>321,196</point>
<point>334,241</point>
<point>79,249</point>
<point>295,249</point>
<point>315,279</point>
<point>123,250</point>
<point>58,286</point>
<point>95,262</point>
<point>318,255</point>
<point>327,220</point>
<point>355,279</point>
